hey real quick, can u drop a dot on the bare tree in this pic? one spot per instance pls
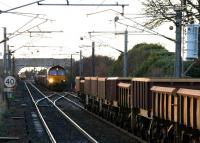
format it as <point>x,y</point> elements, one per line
<point>162,11</point>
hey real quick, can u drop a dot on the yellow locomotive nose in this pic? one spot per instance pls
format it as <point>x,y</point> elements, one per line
<point>51,80</point>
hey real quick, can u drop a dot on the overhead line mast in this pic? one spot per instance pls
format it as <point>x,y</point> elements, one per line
<point>125,33</point>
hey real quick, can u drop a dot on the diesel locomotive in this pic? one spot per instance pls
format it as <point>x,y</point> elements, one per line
<point>158,110</point>
<point>54,78</point>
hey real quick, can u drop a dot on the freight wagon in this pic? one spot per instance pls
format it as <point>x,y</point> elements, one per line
<point>156,109</point>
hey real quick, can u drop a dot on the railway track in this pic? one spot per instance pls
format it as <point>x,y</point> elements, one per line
<point>112,133</point>
<point>89,128</point>
<point>55,124</point>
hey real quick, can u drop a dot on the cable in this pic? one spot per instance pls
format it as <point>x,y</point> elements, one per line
<point>26,30</point>
<point>29,15</point>
<point>35,39</point>
<point>149,29</point>
<point>24,25</point>
<point>21,6</point>
<point>102,42</point>
<point>5,4</point>
<point>152,31</point>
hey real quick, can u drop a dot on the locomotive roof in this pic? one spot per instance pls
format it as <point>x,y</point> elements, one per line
<point>57,66</point>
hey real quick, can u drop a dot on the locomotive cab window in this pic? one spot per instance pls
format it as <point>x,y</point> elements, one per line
<point>56,72</point>
<point>61,72</point>
<point>52,72</point>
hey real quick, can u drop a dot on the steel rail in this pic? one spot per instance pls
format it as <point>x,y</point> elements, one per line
<point>39,100</point>
<point>71,94</point>
<point>89,137</point>
<point>107,122</point>
<point>41,118</point>
<point>70,100</point>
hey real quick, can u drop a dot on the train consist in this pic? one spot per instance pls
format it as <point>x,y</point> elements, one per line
<point>22,76</point>
<point>54,78</point>
<point>155,109</point>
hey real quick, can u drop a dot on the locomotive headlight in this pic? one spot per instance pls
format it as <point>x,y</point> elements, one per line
<point>51,80</point>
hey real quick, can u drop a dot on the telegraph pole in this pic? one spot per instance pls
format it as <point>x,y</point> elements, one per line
<point>125,53</point>
<point>13,66</point>
<point>9,60</point>
<point>80,65</point>
<point>71,66</point>
<point>125,69</point>
<point>93,59</point>
<point>178,63</point>
<point>5,53</point>
<point>4,61</point>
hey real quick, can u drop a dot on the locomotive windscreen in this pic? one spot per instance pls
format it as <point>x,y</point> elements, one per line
<point>53,72</point>
<point>61,72</point>
<point>57,71</point>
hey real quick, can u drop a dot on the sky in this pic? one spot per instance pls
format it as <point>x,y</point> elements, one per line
<point>68,23</point>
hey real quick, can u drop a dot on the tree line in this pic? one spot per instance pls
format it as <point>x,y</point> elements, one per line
<point>144,60</point>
